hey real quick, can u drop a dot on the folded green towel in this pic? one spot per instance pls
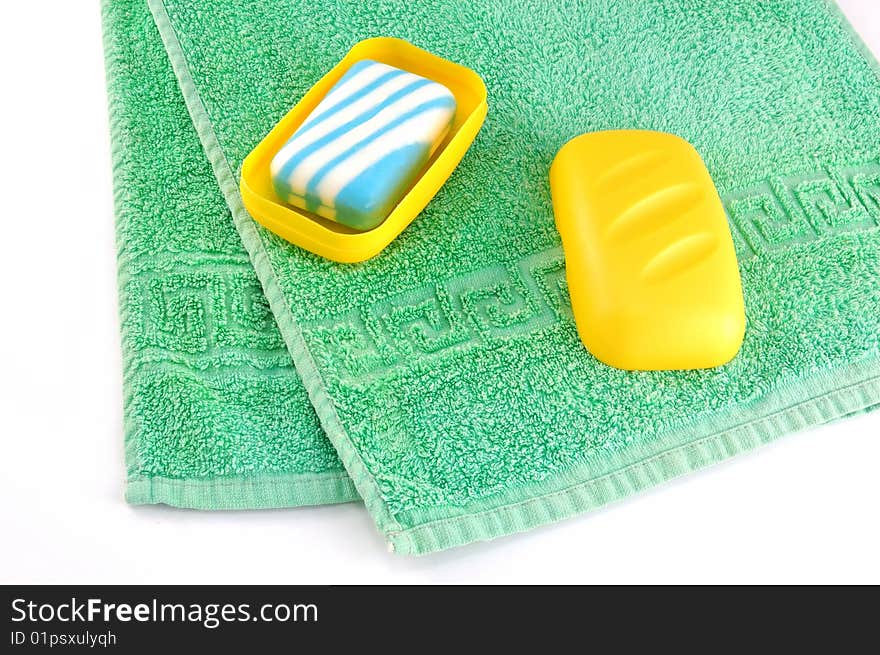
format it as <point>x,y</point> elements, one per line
<point>447,371</point>
<point>215,414</point>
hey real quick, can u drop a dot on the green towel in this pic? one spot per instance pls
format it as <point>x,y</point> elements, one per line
<point>215,414</point>
<point>447,372</point>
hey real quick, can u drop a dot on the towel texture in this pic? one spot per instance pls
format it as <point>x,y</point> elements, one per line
<point>447,372</point>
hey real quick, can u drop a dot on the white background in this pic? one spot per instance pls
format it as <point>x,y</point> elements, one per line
<point>804,509</point>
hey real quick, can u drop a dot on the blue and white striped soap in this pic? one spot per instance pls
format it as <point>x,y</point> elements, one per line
<point>357,153</point>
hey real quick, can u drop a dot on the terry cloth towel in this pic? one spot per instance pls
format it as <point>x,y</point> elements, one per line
<point>215,415</point>
<point>447,372</point>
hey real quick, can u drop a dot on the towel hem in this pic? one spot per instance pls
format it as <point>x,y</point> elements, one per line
<point>552,505</point>
<point>256,492</point>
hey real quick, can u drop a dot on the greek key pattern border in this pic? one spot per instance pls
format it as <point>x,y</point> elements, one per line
<point>216,316</point>
<point>502,301</point>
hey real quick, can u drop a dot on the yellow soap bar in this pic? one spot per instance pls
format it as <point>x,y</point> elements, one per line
<point>650,261</point>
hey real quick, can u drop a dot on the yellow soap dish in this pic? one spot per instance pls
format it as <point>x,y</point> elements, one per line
<point>336,241</point>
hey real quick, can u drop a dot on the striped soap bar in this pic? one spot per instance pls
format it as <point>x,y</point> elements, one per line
<point>358,152</point>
